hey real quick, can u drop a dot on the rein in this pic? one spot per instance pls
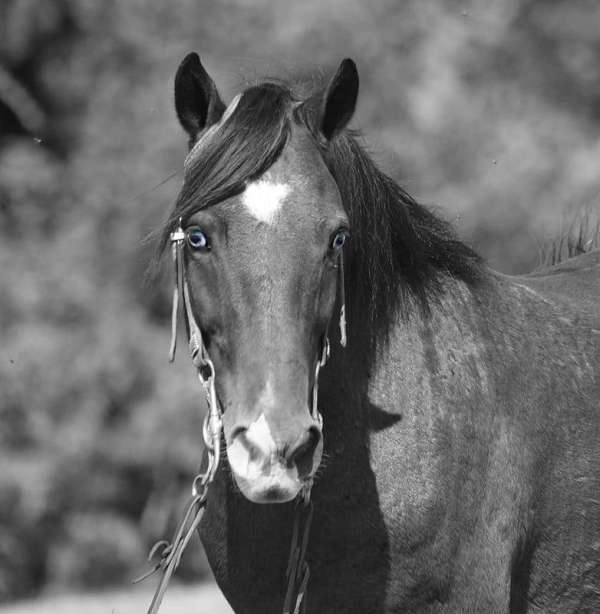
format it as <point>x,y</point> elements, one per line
<point>170,554</point>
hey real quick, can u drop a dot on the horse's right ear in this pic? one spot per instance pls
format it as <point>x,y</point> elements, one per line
<point>339,100</point>
<point>328,112</point>
<point>197,100</point>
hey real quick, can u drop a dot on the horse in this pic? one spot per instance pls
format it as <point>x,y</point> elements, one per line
<point>452,457</point>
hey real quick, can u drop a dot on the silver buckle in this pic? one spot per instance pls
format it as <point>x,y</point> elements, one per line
<point>177,235</point>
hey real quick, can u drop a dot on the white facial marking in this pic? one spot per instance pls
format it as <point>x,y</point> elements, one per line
<point>259,437</point>
<point>256,465</point>
<point>264,199</point>
<point>267,397</point>
<point>239,459</point>
<point>259,434</point>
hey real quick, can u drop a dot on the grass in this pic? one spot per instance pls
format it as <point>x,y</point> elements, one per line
<point>203,599</point>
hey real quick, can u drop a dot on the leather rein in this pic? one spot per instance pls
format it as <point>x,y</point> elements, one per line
<point>169,553</point>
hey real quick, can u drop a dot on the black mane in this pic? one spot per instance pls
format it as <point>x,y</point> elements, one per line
<point>400,251</point>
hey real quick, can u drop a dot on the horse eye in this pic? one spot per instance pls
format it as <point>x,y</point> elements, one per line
<point>197,240</point>
<point>339,239</point>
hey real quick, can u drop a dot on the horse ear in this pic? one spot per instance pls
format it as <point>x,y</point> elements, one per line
<point>339,100</point>
<point>197,100</point>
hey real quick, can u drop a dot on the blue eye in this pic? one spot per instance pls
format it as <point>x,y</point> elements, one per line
<point>197,240</point>
<point>339,239</point>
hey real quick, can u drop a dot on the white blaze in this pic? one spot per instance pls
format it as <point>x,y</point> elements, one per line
<point>264,199</point>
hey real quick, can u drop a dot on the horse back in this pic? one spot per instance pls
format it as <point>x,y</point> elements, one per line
<point>574,283</point>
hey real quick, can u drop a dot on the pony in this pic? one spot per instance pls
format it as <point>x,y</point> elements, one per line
<point>453,454</point>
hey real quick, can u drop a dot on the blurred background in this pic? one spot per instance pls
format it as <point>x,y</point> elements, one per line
<point>487,109</point>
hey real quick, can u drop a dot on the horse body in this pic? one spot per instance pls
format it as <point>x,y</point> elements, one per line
<point>462,471</point>
<point>459,437</point>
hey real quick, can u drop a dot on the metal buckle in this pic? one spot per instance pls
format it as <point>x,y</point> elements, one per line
<point>178,234</point>
<point>342,294</point>
<point>326,352</point>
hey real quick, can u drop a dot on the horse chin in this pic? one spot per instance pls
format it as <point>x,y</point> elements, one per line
<point>279,488</point>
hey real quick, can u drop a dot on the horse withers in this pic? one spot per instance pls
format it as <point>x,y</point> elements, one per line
<point>453,453</point>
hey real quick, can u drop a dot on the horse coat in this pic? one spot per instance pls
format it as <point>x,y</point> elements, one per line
<point>457,468</point>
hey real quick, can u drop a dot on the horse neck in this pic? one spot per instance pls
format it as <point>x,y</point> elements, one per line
<point>374,397</point>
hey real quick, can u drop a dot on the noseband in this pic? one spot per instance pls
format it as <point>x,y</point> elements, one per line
<point>170,553</point>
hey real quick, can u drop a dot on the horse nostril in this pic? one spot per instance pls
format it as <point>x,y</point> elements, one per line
<point>238,430</point>
<point>302,455</point>
<point>239,436</point>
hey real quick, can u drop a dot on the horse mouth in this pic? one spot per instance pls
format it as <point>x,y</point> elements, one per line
<point>268,490</point>
<point>274,494</point>
<point>267,471</point>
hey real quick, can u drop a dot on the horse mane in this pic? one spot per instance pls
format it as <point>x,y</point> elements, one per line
<point>580,235</point>
<point>401,251</point>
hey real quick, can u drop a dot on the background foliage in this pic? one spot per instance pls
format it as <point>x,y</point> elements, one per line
<point>489,109</point>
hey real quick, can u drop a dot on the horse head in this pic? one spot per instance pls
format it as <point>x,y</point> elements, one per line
<point>264,233</point>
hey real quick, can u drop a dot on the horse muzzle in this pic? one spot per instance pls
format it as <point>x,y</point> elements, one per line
<point>269,468</point>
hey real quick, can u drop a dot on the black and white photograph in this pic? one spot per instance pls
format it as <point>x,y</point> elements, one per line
<point>300,307</point>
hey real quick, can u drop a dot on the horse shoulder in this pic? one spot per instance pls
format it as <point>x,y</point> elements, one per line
<point>495,440</point>
<point>555,388</point>
<point>441,502</point>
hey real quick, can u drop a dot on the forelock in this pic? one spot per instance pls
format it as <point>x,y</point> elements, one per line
<point>208,135</point>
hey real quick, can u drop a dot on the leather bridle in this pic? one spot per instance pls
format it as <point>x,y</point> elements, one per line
<point>298,571</point>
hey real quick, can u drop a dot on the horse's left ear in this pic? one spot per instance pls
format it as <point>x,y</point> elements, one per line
<point>339,100</point>
<point>197,100</point>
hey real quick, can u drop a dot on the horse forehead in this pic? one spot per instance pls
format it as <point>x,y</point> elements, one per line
<point>264,198</point>
<point>280,198</point>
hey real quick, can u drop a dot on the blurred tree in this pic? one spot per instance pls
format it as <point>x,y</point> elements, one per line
<point>32,37</point>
